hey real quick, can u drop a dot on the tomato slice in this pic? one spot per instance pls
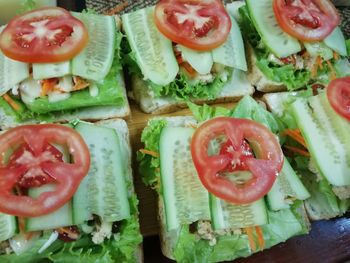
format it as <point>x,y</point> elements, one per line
<point>307,20</point>
<point>35,162</point>
<point>200,25</point>
<point>338,93</point>
<point>264,169</point>
<point>45,35</point>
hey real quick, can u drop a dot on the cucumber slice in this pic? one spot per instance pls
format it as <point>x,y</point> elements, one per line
<point>225,215</point>
<point>325,135</point>
<point>336,41</point>
<point>263,17</point>
<point>51,70</point>
<point>287,187</point>
<point>11,73</point>
<point>153,51</point>
<point>60,218</point>
<point>185,198</point>
<point>104,191</point>
<point>342,67</point>
<point>8,226</point>
<point>232,53</point>
<point>319,49</point>
<point>202,62</point>
<point>95,61</point>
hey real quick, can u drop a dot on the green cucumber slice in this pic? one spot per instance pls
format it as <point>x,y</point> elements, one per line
<point>95,61</point>
<point>185,198</point>
<point>325,135</point>
<point>225,215</point>
<point>201,61</point>
<point>336,41</point>
<point>51,70</point>
<point>8,226</point>
<point>263,17</point>
<point>60,218</point>
<point>11,73</point>
<point>153,51</point>
<point>319,49</point>
<point>232,53</point>
<point>286,189</point>
<point>104,191</point>
<point>342,67</point>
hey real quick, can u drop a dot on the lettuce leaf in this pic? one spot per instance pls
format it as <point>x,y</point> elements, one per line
<point>348,46</point>
<point>26,6</point>
<point>149,165</point>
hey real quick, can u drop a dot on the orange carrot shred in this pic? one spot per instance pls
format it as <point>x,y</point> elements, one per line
<point>335,55</point>
<point>333,74</point>
<point>319,62</point>
<point>297,150</point>
<point>117,9</point>
<point>249,231</point>
<point>152,153</point>
<point>11,102</point>
<point>296,135</point>
<point>261,239</point>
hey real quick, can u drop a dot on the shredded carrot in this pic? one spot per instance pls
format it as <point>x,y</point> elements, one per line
<point>48,85</point>
<point>335,55</point>
<point>333,73</point>
<point>11,102</point>
<point>152,153</point>
<point>319,62</point>
<point>297,150</point>
<point>296,135</point>
<point>191,71</point>
<point>249,231</point>
<point>305,54</point>
<point>261,239</point>
<point>179,59</point>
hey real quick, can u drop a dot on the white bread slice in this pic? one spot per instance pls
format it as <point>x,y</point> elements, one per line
<point>257,78</point>
<point>237,87</point>
<point>89,114</point>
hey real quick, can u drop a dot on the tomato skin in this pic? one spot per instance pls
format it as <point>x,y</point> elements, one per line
<point>338,93</point>
<point>264,170</point>
<point>66,176</point>
<point>45,35</point>
<point>177,20</point>
<point>320,19</point>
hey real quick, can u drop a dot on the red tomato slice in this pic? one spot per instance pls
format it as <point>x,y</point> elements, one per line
<point>200,25</point>
<point>338,93</point>
<point>45,35</point>
<point>36,159</point>
<point>264,170</point>
<point>307,20</point>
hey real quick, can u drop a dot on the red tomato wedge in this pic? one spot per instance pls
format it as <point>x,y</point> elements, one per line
<point>35,162</point>
<point>307,20</point>
<point>237,131</point>
<point>45,35</point>
<point>199,25</point>
<point>338,93</point>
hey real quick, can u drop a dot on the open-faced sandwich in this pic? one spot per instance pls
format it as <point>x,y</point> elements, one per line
<point>225,188</point>
<point>291,44</point>
<point>184,50</point>
<point>318,127</point>
<point>58,66</point>
<point>66,194</point>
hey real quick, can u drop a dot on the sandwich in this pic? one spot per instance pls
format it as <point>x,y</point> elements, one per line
<point>210,210</point>
<point>184,50</point>
<point>291,44</point>
<point>318,143</point>
<point>58,66</point>
<point>67,195</point>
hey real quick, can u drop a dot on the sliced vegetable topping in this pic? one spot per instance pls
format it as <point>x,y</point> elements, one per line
<point>338,93</point>
<point>213,169</point>
<point>28,159</point>
<point>44,35</point>
<point>307,20</point>
<point>199,25</point>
